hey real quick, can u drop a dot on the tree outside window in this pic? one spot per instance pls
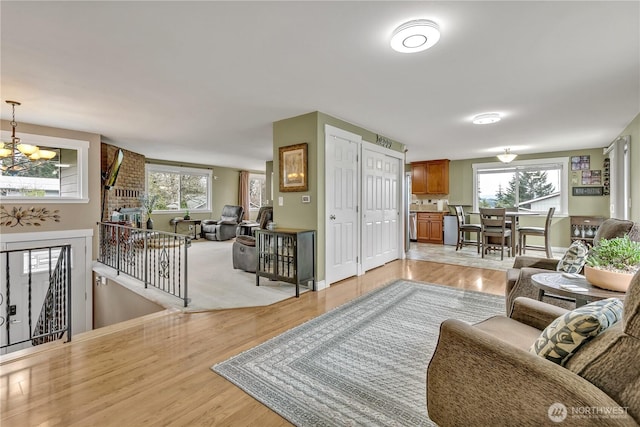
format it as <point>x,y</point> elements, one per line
<point>531,186</point>
<point>179,189</point>
<point>257,191</point>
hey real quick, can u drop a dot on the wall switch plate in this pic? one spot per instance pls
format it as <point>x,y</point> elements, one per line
<point>280,201</point>
<point>306,199</point>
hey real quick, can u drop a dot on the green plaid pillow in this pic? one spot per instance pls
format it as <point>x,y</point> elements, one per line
<point>565,335</point>
<point>574,259</point>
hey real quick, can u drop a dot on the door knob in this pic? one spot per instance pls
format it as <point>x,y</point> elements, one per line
<point>332,217</point>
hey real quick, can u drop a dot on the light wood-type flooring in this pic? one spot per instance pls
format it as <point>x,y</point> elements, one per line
<point>155,371</point>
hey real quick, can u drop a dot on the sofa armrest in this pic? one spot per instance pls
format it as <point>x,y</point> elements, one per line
<point>535,262</point>
<point>535,313</point>
<point>524,287</point>
<point>476,379</point>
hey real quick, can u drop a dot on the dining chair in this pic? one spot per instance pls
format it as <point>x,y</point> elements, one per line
<point>523,232</point>
<point>464,228</point>
<point>495,234</point>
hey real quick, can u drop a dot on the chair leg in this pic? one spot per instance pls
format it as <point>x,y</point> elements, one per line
<point>523,244</point>
<point>547,245</point>
<point>478,240</point>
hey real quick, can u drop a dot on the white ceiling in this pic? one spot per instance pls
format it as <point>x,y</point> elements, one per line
<point>202,82</point>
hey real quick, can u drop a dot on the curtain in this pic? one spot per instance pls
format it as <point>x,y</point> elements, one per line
<point>243,193</point>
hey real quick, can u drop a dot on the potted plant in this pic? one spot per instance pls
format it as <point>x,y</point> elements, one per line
<point>612,263</point>
<point>148,204</point>
<point>186,214</point>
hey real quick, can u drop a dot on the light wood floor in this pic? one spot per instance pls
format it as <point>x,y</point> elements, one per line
<point>156,370</point>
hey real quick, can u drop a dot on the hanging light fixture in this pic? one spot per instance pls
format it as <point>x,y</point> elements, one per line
<point>507,156</point>
<point>21,155</point>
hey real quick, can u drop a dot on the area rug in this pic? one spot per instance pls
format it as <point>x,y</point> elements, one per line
<point>361,364</point>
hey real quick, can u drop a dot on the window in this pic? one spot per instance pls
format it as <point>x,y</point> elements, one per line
<point>63,178</point>
<point>41,260</point>
<point>528,185</point>
<point>179,188</point>
<point>257,191</point>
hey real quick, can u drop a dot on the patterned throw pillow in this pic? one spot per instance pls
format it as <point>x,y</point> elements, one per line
<point>565,335</point>
<point>574,259</point>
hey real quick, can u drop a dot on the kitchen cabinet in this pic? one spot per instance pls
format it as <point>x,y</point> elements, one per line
<point>430,227</point>
<point>430,177</point>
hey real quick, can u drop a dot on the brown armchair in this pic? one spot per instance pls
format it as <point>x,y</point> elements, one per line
<point>484,374</point>
<point>519,276</point>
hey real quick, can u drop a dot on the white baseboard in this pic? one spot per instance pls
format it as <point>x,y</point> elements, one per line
<point>321,284</point>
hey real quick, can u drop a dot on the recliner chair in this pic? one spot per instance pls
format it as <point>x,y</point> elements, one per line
<point>244,248</point>
<point>225,227</point>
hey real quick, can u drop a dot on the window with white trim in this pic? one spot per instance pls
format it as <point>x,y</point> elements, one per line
<point>257,191</point>
<point>528,185</point>
<point>179,188</point>
<point>63,178</point>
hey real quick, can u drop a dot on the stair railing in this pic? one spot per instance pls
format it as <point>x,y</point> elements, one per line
<point>156,258</point>
<point>54,320</point>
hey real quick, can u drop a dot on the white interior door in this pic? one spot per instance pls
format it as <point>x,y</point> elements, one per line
<point>341,203</point>
<point>18,291</point>
<point>380,212</point>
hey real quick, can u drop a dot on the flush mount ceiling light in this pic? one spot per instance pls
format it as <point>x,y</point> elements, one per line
<point>507,156</point>
<point>415,36</point>
<point>486,118</point>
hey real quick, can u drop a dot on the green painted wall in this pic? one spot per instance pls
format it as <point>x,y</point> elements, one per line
<point>461,188</point>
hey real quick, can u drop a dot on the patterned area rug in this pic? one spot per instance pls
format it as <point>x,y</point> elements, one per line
<point>363,363</point>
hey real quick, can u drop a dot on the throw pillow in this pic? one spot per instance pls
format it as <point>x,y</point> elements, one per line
<point>565,335</point>
<point>574,259</point>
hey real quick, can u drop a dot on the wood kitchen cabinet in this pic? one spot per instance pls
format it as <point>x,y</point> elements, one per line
<point>430,227</point>
<point>430,177</point>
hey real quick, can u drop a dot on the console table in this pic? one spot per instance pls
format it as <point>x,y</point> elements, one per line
<point>287,255</point>
<point>194,222</point>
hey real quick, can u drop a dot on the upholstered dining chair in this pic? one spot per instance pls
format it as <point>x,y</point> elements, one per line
<point>523,232</point>
<point>495,234</point>
<point>464,228</point>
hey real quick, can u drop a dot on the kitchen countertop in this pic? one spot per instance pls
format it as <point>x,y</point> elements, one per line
<point>429,211</point>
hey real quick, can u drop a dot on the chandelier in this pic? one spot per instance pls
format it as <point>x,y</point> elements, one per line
<point>16,156</point>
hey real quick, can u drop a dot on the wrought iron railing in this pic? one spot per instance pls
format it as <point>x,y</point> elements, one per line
<point>19,294</point>
<point>156,258</point>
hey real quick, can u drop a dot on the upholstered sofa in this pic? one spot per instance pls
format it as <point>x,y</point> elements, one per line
<point>485,375</point>
<point>519,276</point>
<point>225,227</point>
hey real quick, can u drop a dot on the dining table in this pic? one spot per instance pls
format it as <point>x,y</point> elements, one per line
<point>513,218</point>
